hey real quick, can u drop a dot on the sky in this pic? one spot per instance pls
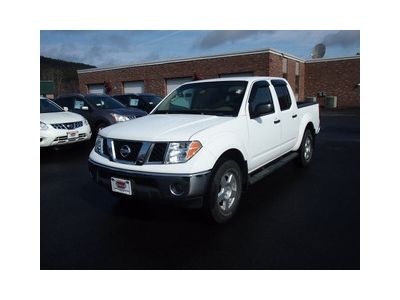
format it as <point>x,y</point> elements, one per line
<point>103,48</point>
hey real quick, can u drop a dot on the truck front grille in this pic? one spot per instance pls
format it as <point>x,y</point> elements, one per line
<point>128,151</point>
<point>158,152</point>
<point>67,126</point>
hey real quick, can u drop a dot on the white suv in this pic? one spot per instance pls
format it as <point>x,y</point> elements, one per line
<point>58,127</point>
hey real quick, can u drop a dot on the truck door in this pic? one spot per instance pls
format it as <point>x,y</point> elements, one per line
<point>288,115</point>
<point>264,129</point>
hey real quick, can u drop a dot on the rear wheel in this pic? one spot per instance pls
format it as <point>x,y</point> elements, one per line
<point>307,148</point>
<point>225,192</point>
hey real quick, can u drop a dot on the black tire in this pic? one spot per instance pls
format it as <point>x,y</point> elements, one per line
<point>222,208</point>
<point>306,150</point>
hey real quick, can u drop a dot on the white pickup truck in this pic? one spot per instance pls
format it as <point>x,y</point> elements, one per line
<point>206,142</point>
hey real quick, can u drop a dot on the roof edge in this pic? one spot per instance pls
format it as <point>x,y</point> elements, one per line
<point>260,51</point>
<point>317,60</point>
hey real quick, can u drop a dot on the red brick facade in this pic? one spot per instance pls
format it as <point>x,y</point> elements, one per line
<point>339,78</point>
<point>310,79</point>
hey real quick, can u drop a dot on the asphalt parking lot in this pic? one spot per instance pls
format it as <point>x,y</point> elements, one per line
<point>293,219</point>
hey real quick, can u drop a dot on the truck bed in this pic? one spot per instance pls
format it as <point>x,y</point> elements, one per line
<point>301,104</point>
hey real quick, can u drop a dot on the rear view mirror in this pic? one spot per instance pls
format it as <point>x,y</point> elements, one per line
<point>65,108</point>
<point>262,109</point>
<point>84,108</point>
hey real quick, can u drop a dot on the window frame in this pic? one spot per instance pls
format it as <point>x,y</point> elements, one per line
<point>260,84</point>
<point>278,84</point>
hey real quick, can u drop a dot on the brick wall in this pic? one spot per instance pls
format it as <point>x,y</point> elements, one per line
<point>154,76</point>
<point>275,69</point>
<point>337,78</point>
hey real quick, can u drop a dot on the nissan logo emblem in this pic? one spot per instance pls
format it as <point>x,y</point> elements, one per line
<point>125,151</point>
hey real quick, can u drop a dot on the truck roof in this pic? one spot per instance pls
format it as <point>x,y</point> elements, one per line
<point>246,78</point>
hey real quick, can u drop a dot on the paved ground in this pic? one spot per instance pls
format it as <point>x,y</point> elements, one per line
<point>294,219</point>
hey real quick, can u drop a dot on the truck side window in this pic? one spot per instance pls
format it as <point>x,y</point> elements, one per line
<point>284,99</point>
<point>260,94</point>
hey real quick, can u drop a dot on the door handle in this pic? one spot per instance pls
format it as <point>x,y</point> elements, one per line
<point>277,121</point>
<point>294,116</point>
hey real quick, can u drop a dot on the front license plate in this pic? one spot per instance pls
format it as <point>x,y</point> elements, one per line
<point>122,186</point>
<point>72,134</point>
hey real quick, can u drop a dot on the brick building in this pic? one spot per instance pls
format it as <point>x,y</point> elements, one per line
<point>309,78</point>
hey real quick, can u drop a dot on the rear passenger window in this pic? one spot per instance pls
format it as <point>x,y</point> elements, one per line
<point>260,94</point>
<point>284,99</point>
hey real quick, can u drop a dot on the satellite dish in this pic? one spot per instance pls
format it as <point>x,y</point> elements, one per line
<point>318,51</point>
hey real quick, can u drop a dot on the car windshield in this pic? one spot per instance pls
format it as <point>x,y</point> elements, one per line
<point>47,106</point>
<point>104,102</point>
<point>210,98</point>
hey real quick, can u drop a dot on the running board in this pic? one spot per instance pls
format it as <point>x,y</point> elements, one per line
<point>265,171</point>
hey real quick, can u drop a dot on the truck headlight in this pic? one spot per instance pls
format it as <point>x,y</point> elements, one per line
<point>98,145</point>
<point>85,122</point>
<point>43,126</point>
<point>180,152</point>
<point>119,118</point>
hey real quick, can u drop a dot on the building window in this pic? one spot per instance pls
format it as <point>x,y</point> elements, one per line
<point>284,67</point>
<point>297,84</point>
<point>297,68</point>
<point>134,87</point>
<point>173,83</point>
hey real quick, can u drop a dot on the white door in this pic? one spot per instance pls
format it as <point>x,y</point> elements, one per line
<point>96,88</point>
<point>288,115</point>
<point>265,130</point>
<point>175,82</point>
<point>134,87</point>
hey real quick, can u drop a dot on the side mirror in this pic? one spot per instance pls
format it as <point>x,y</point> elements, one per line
<point>84,108</point>
<point>65,108</point>
<point>262,109</point>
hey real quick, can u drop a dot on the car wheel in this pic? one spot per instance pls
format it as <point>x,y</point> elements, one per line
<point>306,148</point>
<point>225,192</point>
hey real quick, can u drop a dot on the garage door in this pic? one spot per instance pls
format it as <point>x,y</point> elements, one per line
<point>133,87</point>
<point>173,83</point>
<point>236,75</point>
<point>96,88</point>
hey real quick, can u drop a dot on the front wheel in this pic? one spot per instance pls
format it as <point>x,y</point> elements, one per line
<point>307,148</point>
<point>225,192</point>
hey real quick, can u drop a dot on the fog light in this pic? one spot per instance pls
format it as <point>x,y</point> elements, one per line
<point>176,189</point>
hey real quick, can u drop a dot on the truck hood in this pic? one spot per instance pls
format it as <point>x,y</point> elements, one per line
<point>60,117</point>
<point>174,127</point>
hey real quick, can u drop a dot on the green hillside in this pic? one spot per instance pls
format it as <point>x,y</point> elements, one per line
<point>62,73</point>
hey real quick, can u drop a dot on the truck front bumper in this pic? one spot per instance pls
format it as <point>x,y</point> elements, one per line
<point>185,189</point>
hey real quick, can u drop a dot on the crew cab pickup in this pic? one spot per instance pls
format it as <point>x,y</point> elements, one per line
<point>206,142</point>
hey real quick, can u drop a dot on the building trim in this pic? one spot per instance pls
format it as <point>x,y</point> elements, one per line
<point>262,51</point>
<point>318,60</point>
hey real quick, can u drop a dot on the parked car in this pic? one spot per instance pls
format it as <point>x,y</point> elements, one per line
<point>100,110</point>
<point>58,127</point>
<point>143,101</point>
<point>206,142</point>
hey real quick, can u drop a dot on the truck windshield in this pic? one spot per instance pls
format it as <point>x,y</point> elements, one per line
<point>104,102</point>
<point>221,98</point>
<point>47,106</point>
